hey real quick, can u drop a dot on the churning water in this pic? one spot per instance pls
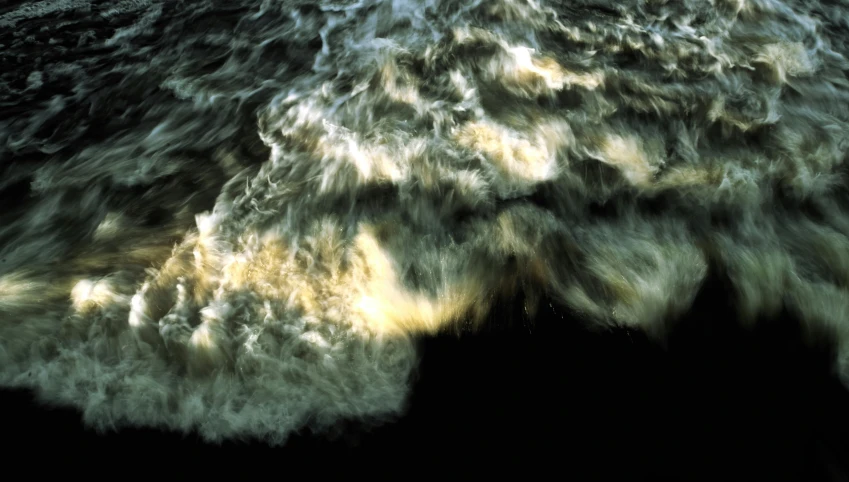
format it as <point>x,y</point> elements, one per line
<point>236,216</point>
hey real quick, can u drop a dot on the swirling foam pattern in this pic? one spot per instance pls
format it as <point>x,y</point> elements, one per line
<point>235,217</point>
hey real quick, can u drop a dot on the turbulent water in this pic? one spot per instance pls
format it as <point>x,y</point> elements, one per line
<point>237,216</point>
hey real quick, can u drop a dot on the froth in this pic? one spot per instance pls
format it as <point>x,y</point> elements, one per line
<point>272,200</point>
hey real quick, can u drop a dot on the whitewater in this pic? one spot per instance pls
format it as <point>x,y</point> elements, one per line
<point>238,217</point>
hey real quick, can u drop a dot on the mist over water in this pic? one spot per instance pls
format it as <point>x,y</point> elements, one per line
<point>236,217</point>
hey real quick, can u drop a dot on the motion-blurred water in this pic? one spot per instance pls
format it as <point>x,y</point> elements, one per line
<point>235,216</point>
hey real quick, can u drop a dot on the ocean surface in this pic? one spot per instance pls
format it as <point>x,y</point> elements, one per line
<point>239,218</point>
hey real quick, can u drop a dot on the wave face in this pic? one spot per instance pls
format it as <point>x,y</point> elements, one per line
<point>236,217</point>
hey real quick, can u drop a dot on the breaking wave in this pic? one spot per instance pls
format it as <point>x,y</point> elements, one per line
<point>236,217</point>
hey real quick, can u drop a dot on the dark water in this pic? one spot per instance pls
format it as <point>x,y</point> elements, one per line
<point>241,219</point>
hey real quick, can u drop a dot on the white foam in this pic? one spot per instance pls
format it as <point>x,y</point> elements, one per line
<point>427,158</point>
